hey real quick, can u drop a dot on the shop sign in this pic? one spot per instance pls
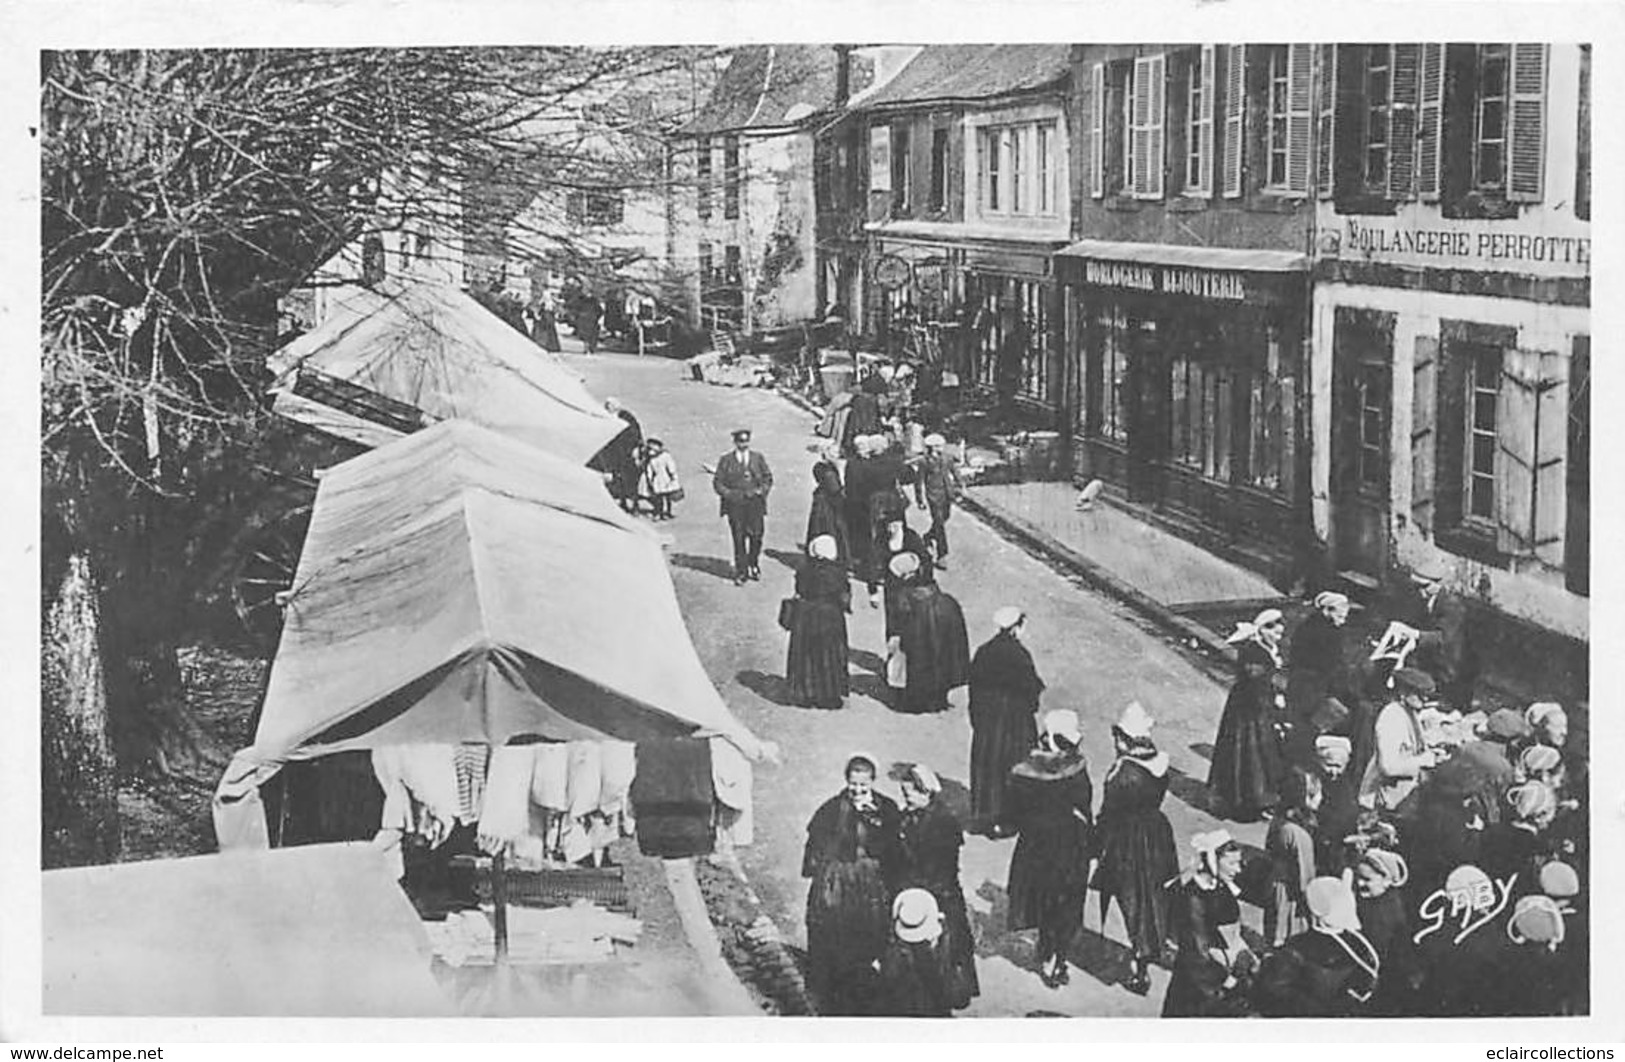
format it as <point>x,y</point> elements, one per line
<point>1473,244</point>
<point>1167,280</point>
<point>891,272</point>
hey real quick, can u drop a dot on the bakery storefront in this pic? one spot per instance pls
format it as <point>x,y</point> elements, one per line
<point>1188,370</point>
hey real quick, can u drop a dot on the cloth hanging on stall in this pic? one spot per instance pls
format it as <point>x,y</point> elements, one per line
<point>673,794</point>
<point>549,784</point>
<point>505,814</point>
<point>420,789</point>
<point>585,782</point>
<point>471,762</point>
<point>620,767</point>
<point>731,776</point>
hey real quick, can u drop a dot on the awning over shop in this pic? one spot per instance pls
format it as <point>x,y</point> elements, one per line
<point>459,586</point>
<point>1243,260</point>
<point>435,348</point>
<point>318,931</point>
<point>960,233</point>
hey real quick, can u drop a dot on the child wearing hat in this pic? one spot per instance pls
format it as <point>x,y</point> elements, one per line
<point>659,482</point>
<point>914,979</point>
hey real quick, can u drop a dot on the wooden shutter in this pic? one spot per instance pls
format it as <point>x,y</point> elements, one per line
<point>1235,115</point>
<point>1097,131</point>
<point>1526,124</point>
<point>1405,101</point>
<point>1424,410</point>
<point>1204,124</point>
<point>1531,434</point>
<point>1139,137</point>
<point>1326,123</point>
<point>1300,115</point>
<point>1156,124</point>
<point>1429,123</point>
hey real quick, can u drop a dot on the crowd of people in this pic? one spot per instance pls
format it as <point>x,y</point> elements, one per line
<point>1422,857</point>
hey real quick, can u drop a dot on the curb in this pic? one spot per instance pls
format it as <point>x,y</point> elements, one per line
<point>731,995</point>
<point>1212,649</point>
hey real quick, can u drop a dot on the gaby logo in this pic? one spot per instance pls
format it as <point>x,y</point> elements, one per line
<point>1470,908</point>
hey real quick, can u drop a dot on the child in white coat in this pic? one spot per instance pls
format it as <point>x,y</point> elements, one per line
<point>660,483</point>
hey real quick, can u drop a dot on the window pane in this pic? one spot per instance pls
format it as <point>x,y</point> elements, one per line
<point>1493,121</point>
<point>1487,368</point>
<point>1376,166</point>
<point>1492,79</point>
<point>1483,500</point>
<point>1484,453</point>
<point>1484,409</point>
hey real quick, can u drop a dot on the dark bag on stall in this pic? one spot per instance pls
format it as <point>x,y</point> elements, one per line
<point>787,613</point>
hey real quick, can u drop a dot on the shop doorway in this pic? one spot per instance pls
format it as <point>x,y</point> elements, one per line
<point>1362,412</point>
<point>1149,427</point>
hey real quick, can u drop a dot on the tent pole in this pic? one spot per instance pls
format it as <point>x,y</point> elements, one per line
<point>499,900</point>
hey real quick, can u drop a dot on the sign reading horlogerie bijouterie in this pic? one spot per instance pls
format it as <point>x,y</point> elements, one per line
<point>1167,280</point>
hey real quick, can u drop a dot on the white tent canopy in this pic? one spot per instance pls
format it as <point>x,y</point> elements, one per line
<point>435,348</point>
<point>318,931</point>
<point>459,586</point>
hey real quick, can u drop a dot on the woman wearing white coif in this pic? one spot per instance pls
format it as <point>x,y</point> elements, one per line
<point>1212,962</point>
<point>1329,971</point>
<point>1247,761</point>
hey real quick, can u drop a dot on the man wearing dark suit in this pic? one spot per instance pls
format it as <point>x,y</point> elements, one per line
<point>742,481</point>
<point>1444,646</point>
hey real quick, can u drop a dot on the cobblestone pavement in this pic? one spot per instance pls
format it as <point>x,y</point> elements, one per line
<point>1092,654</point>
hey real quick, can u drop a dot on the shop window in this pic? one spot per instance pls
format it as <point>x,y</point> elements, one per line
<point>702,177</point>
<point>1113,399</point>
<point>1194,414</point>
<point>1266,460</point>
<point>730,177</point>
<point>939,170</point>
<point>900,167</point>
<point>732,266</point>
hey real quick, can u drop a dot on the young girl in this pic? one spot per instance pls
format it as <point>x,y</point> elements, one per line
<point>660,483</point>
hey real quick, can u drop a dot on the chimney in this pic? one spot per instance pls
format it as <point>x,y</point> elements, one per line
<point>843,74</point>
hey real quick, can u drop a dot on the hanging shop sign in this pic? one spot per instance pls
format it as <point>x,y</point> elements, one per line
<point>892,272</point>
<point>1167,280</point>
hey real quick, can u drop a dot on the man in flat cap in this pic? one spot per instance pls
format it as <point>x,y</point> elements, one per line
<point>1399,755</point>
<point>1437,617</point>
<point>742,482</point>
<point>936,486</point>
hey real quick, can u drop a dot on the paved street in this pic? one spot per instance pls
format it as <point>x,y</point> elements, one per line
<point>1093,657</point>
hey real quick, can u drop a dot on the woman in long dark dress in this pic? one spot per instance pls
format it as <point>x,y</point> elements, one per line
<point>1004,691</point>
<point>850,857</point>
<point>931,634</point>
<point>827,515</point>
<point>1316,667</point>
<point>929,839</point>
<point>899,538</point>
<point>1212,962</point>
<point>1049,800</point>
<point>817,665</point>
<point>1246,769</point>
<point>1137,856</point>
<point>1290,844</point>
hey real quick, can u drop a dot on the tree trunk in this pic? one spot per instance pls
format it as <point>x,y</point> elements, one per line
<point>78,776</point>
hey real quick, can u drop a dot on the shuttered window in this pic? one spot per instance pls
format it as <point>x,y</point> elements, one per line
<point>1490,100</point>
<point>1429,123</point>
<point>1097,131</point>
<point>1526,134</point>
<point>1147,138</point>
<point>1406,81</point>
<point>702,176</point>
<point>1199,125</point>
<point>1378,96</point>
<point>1533,429</point>
<point>1279,117</point>
<point>1235,116</point>
<point>1582,159</point>
<point>1290,116</point>
<point>730,177</point>
<point>1577,519</point>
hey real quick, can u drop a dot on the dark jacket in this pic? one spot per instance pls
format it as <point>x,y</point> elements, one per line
<point>742,485</point>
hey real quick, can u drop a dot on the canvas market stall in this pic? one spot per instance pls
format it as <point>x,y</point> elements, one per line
<point>458,586</point>
<point>319,931</point>
<point>390,358</point>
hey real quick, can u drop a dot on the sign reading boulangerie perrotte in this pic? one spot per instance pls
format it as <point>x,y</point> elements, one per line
<point>1497,245</point>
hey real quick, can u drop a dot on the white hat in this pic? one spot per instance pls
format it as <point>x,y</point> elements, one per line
<point>1333,748</point>
<point>916,917</point>
<point>925,778</point>
<point>1330,598</point>
<point>1063,722</point>
<point>904,564</point>
<point>1331,903</point>
<point>1135,721</point>
<point>935,439</point>
<point>1540,711</point>
<point>1008,617</point>
<point>823,547</point>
